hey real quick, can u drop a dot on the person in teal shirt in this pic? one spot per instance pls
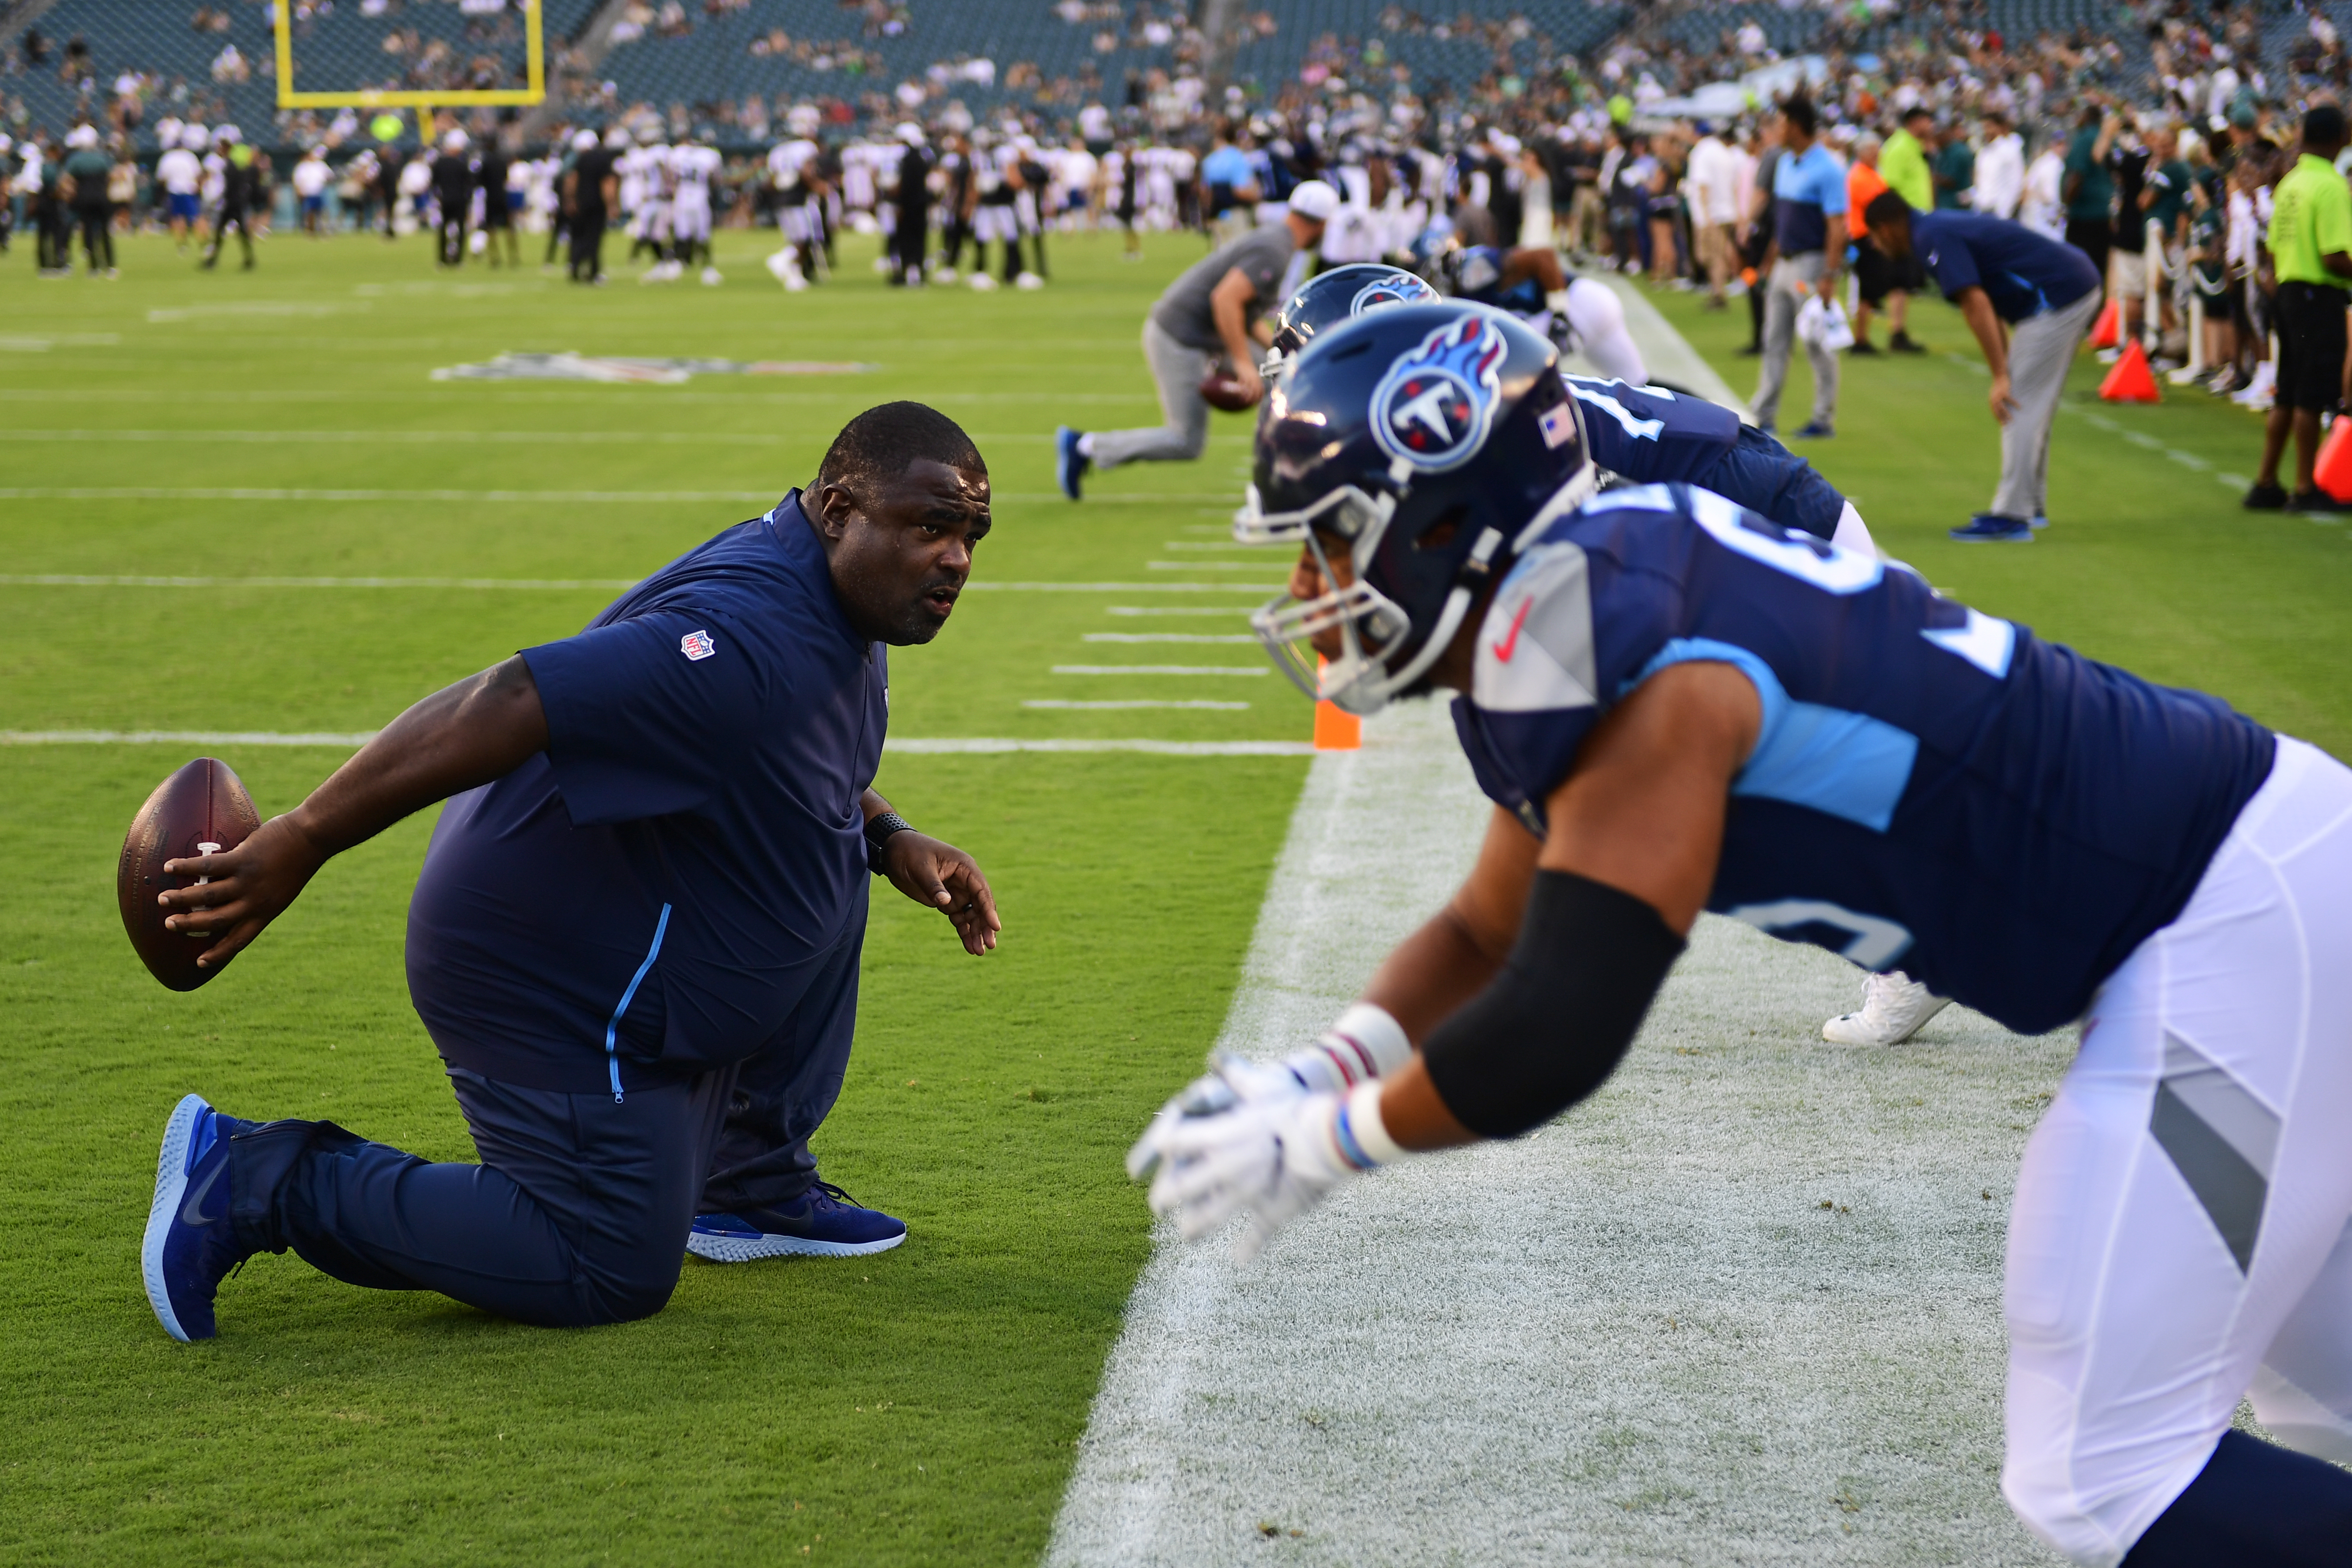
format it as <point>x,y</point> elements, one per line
<point>1955,172</point>
<point>2087,189</point>
<point>81,188</point>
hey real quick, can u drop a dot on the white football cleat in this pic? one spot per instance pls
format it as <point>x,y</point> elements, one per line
<point>710,278</point>
<point>1894,1009</point>
<point>982,282</point>
<point>944,275</point>
<point>1029,281</point>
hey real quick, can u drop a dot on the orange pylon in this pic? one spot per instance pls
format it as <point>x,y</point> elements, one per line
<point>2131,380</point>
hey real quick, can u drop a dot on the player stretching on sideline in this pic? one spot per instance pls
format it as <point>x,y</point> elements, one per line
<point>636,937</point>
<point>1676,704</point>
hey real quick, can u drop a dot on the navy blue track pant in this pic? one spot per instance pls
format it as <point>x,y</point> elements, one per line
<point>579,1210</point>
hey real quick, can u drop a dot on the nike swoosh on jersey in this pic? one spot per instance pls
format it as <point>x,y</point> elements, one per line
<point>188,1205</point>
<point>1510,645</point>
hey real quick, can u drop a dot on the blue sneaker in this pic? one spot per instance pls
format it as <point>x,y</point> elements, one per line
<point>1813,430</point>
<point>190,1246</point>
<point>823,1223</point>
<point>2038,522</point>
<point>1069,463</point>
<point>1991,528</point>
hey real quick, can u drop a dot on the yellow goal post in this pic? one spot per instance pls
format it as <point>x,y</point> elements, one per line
<point>535,57</point>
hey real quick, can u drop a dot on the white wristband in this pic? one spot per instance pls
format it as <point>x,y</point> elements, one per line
<point>1361,1124</point>
<point>1364,1043</point>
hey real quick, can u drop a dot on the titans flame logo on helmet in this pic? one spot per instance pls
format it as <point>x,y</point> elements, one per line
<point>1434,407</point>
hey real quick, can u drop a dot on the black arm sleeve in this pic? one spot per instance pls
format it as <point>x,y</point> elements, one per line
<point>1556,1021</point>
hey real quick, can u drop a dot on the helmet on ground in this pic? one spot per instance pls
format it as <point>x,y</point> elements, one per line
<point>1340,294</point>
<point>1432,443</point>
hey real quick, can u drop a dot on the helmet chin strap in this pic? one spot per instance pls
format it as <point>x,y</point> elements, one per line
<point>1362,697</point>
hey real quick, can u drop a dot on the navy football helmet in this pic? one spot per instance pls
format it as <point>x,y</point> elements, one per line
<point>1432,442</point>
<point>1340,295</point>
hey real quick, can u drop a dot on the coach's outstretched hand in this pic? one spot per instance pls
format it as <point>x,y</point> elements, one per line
<point>949,880</point>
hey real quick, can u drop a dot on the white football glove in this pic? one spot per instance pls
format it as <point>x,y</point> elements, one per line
<point>1365,1042</point>
<point>1275,1158</point>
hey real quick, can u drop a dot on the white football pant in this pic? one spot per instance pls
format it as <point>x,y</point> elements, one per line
<point>2178,1236</point>
<point>1597,317</point>
<point>690,219</point>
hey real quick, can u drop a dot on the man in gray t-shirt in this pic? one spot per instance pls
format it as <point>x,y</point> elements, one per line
<point>1211,312</point>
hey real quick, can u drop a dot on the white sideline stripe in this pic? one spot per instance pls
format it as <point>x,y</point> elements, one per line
<point>1665,352</point>
<point>1241,670</point>
<point>602,585</point>
<point>912,745</point>
<point>1180,609</point>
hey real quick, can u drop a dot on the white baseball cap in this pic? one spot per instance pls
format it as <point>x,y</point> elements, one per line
<point>454,142</point>
<point>1315,200</point>
<point>83,136</point>
<point>582,140</point>
<point>226,133</point>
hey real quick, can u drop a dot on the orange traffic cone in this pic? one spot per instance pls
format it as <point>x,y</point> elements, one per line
<point>2131,380</point>
<point>1335,731</point>
<point>2108,327</point>
<point>2332,471</point>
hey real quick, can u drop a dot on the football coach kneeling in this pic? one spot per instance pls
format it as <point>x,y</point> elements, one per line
<point>635,938</point>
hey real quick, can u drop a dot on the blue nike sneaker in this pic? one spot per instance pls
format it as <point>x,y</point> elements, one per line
<point>190,1245</point>
<point>823,1222</point>
<point>1069,463</point>
<point>1991,528</point>
<point>2038,522</point>
<point>1813,430</point>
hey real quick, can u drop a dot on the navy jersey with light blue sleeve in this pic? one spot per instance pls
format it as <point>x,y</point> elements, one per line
<point>2021,272</point>
<point>654,891</point>
<point>1932,789</point>
<point>1651,435</point>
<point>1807,190</point>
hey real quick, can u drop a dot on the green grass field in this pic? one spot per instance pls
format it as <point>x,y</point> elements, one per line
<point>919,1407</point>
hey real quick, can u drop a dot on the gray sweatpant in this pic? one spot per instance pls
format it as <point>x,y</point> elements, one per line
<point>1185,433</point>
<point>2040,348</point>
<point>1793,277</point>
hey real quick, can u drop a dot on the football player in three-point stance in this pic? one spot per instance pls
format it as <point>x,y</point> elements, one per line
<point>1648,434</point>
<point>1676,704</point>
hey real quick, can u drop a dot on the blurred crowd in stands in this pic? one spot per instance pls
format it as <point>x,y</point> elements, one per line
<point>2174,119</point>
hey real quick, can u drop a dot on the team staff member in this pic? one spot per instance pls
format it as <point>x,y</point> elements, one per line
<point>635,938</point>
<point>2089,189</point>
<point>240,185</point>
<point>2029,299</point>
<point>81,186</point>
<point>2309,249</point>
<point>1808,244</point>
<point>590,190</point>
<point>453,196</point>
<point>1212,311</point>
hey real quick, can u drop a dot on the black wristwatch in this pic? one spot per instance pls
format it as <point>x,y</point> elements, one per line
<point>879,830</point>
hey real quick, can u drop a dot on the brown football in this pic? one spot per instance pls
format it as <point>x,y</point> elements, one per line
<point>1222,389</point>
<point>198,810</point>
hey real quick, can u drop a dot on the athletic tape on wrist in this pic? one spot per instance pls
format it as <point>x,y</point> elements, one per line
<point>1363,1135</point>
<point>1364,1045</point>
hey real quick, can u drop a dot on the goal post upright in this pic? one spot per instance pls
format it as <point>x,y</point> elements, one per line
<point>422,98</point>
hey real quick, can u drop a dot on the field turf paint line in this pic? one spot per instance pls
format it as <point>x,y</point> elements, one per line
<point>1665,352</point>
<point>1743,1305</point>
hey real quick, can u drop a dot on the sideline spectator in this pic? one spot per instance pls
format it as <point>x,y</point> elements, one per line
<point>2309,251</point>
<point>1808,242</point>
<point>2000,168</point>
<point>1873,270</point>
<point>81,189</point>
<point>1714,185</point>
<point>2000,272</point>
<point>1903,161</point>
<point>2088,190</point>
<point>238,182</point>
<point>311,178</point>
<point>1955,171</point>
<point>453,196</point>
<point>1211,311</point>
<point>2128,278</point>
